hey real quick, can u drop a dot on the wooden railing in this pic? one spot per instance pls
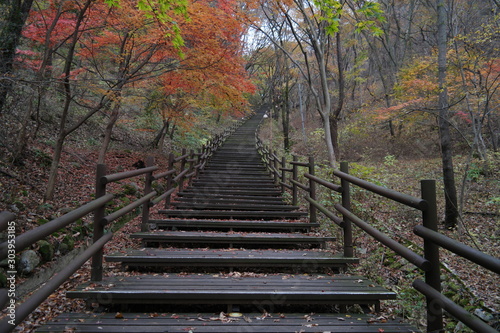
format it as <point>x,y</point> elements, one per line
<point>180,172</point>
<point>429,263</point>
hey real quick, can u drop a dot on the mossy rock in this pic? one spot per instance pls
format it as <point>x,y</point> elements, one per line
<point>69,241</point>
<point>46,250</point>
<point>130,189</point>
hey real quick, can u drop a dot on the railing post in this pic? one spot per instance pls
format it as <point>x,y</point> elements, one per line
<point>276,173</point>
<point>183,165</point>
<point>346,203</point>
<point>431,253</point>
<point>147,189</point>
<point>312,192</point>
<point>169,179</point>
<point>199,161</point>
<point>283,173</point>
<point>191,166</point>
<point>100,190</point>
<point>295,177</point>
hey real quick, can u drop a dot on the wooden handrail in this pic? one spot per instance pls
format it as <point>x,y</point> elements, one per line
<point>433,240</point>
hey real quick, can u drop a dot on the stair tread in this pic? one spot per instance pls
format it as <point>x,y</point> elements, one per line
<point>214,322</point>
<point>231,236</point>
<point>192,288</point>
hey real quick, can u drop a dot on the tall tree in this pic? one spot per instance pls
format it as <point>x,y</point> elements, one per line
<point>451,202</point>
<point>13,15</point>
<point>315,26</point>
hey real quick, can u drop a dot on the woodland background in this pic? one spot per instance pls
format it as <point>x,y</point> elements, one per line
<point>403,90</point>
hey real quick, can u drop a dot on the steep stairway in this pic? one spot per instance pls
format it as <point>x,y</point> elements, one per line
<point>231,256</point>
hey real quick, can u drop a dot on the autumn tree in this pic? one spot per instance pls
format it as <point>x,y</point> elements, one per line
<point>63,25</point>
<point>315,28</point>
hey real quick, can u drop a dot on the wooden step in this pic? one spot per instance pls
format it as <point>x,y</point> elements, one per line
<point>233,206</point>
<point>234,178</point>
<point>230,200</point>
<point>296,260</point>
<point>269,239</point>
<point>232,214</point>
<point>233,288</point>
<point>222,323</point>
<point>234,191</point>
<point>234,224</point>
<point>229,196</point>
<point>236,187</point>
<point>229,182</point>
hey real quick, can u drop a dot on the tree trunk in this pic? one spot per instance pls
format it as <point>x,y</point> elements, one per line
<point>63,133</point>
<point>285,117</point>
<point>451,202</point>
<point>163,135</point>
<point>115,113</point>
<point>10,34</point>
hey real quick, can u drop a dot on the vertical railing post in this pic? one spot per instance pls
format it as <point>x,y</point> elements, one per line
<point>147,189</point>
<point>183,165</point>
<point>283,173</point>
<point>346,203</point>
<point>295,177</point>
<point>276,168</point>
<point>169,179</point>
<point>312,192</point>
<point>431,253</point>
<point>100,190</point>
<point>191,166</point>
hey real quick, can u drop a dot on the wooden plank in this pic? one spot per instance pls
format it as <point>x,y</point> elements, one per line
<point>215,323</point>
<point>233,224</point>
<point>232,206</point>
<point>232,237</point>
<point>232,214</point>
<point>226,289</point>
<point>242,258</point>
<point>230,199</point>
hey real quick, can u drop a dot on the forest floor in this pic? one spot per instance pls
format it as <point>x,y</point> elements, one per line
<point>22,190</point>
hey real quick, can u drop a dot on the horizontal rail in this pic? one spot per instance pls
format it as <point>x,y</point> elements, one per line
<point>164,174</point>
<point>456,311</point>
<point>5,218</point>
<point>331,186</point>
<point>304,164</point>
<point>23,310</point>
<point>119,213</point>
<point>463,250</point>
<point>191,174</point>
<point>406,199</point>
<point>286,185</point>
<point>180,175</point>
<point>126,174</point>
<point>30,237</point>
<point>299,184</point>
<point>163,196</point>
<point>400,249</point>
<point>337,220</point>
<point>180,158</point>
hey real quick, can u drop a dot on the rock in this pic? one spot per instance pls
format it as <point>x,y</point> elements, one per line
<point>28,262</point>
<point>66,210</point>
<point>46,250</point>
<point>69,241</point>
<point>63,248</point>
<point>486,316</point>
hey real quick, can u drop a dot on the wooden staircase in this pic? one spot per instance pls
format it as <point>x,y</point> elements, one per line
<point>231,256</point>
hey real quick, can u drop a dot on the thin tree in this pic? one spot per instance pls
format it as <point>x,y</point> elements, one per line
<point>451,202</point>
